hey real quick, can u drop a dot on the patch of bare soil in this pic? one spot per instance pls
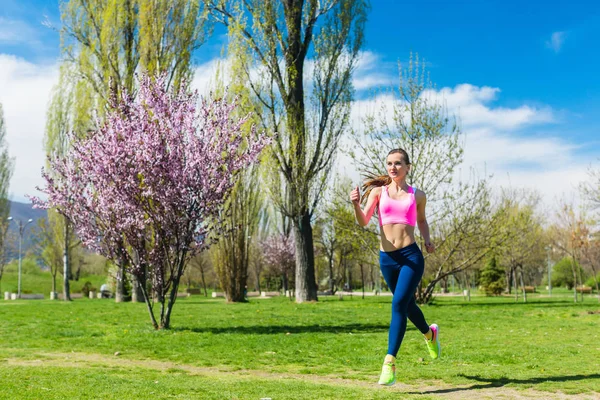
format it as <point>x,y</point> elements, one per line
<point>437,389</point>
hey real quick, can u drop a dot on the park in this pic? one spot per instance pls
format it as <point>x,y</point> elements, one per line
<point>247,199</point>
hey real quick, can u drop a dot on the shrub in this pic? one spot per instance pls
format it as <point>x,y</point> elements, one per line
<point>492,278</point>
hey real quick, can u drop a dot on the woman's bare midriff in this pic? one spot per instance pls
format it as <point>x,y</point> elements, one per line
<point>396,236</point>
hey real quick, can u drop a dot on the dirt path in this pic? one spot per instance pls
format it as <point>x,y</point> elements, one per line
<point>437,389</point>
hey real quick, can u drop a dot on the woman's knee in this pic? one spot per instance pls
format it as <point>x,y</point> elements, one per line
<point>400,304</point>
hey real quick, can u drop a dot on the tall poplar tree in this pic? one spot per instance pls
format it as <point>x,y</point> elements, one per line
<point>298,57</point>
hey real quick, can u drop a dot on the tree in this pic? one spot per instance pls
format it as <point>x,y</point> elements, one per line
<point>103,44</point>
<point>570,235</point>
<point>525,248</point>
<point>145,187</point>
<point>239,221</point>
<point>199,264</point>
<point>278,253</point>
<point>6,170</point>
<point>562,273</point>
<point>275,46</point>
<point>492,278</point>
<point>590,252</point>
<point>50,249</point>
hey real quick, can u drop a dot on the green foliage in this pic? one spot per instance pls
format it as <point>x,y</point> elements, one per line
<point>492,278</point>
<point>29,265</point>
<point>591,282</point>
<point>562,273</point>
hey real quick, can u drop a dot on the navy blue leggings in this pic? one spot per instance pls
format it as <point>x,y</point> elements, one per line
<point>402,269</point>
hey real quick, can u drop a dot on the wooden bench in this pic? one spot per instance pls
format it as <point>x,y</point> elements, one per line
<point>584,289</point>
<point>191,291</point>
<point>529,289</point>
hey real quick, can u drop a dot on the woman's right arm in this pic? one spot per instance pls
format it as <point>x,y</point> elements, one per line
<point>363,216</point>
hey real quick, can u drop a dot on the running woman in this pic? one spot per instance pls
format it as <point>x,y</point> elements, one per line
<point>400,207</point>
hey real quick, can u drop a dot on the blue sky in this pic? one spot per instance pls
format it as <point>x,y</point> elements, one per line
<point>538,59</point>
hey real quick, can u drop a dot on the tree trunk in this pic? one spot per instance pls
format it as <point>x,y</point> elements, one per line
<point>66,265</point>
<point>148,301</point>
<point>137,294</point>
<point>306,286</point>
<point>523,286</point>
<point>204,282</point>
<point>514,276</point>
<point>574,279</point>
<point>581,283</point>
<point>331,279</point>
<point>362,279</point>
<point>120,289</point>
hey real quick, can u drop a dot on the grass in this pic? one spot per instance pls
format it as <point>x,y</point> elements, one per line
<point>278,349</point>
<point>41,282</point>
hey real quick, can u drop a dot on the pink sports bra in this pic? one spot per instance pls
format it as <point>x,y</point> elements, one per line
<point>392,211</point>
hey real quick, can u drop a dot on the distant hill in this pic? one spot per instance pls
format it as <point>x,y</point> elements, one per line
<point>22,212</point>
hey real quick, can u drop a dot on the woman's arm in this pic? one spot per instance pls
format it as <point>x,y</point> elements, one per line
<point>422,220</point>
<point>363,217</point>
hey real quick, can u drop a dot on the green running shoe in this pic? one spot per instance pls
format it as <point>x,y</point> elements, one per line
<point>388,374</point>
<point>433,345</point>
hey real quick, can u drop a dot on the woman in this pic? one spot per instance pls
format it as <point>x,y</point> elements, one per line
<point>400,207</point>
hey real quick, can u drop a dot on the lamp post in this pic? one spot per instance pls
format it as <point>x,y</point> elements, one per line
<point>21,232</point>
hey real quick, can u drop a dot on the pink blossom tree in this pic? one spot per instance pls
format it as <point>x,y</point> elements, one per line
<point>279,254</point>
<point>146,187</point>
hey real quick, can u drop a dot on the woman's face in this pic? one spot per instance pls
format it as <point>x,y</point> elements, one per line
<point>396,167</point>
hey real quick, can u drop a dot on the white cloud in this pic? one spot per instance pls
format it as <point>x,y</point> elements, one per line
<point>24,93</point>
<point>556,41</point>
<point>472,105</point>
<point>14,32</point>
<point>498,140</point>
<point>369,72</point>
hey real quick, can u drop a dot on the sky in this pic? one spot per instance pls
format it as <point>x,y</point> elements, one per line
<point>521,76</point>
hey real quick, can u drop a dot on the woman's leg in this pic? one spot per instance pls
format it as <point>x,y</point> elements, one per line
<point>408,279</point>
<point>415,315</point>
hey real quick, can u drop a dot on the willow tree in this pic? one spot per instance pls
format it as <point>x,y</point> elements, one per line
<point>103,44</point>
<point>6,170</point>
<point>298,61</point>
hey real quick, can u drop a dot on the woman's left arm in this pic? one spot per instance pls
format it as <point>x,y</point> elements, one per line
<point>422,220</point>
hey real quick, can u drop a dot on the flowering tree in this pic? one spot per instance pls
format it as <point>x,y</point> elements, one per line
<point>279,254</point>
<point>142,189</point>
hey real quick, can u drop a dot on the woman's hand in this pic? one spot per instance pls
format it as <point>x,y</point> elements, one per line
<point>430,247</point>
<point>355,195</point>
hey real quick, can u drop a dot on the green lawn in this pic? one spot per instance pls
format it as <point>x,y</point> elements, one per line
<point>274,348</point>
<point>40,282</point>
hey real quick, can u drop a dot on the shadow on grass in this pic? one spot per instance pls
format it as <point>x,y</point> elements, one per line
<point>546,303</point>
<point>278,329</point>
<point>488,383</point>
